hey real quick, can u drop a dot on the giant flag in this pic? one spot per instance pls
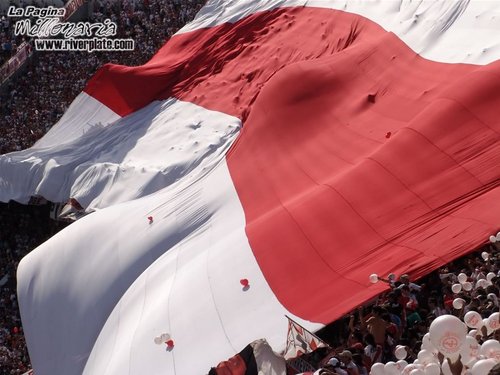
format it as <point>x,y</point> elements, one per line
<point>264,162</point>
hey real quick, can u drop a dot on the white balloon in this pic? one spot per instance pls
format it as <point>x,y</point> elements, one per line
<point>494,321</point>
<point>493,239</point>
<point>462,278</point>
<point>456,288</point>
<point>373,278</point>
<point>473,319</point>
<point>400,352</point>
<point>483,366</point>
<point>378,369</point>
<point>490,276</point>
<point>425,357</point>
<point>432,369</point>
<point>490,349</point>
<point>447,334</point>
<point>470,350</point>
<point>458,303</point>
<point>165,337</point>
<point>401,364</point>
<point>485,255</point>
<point>481,283</point>
<point>427,344</point>
<point>488,327</point>
<point>471,364</point>
<point>158,341</point>
<point>445,367</point>
<point>409,369</point>
<point>473,333</point>
<point>467,286</point>
<point>417,371</point>
<point>498,236</point>
<point>391,368</point>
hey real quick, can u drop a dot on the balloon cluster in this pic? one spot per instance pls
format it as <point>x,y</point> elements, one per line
<point>164,338</point>
<point>496,238</point>
<point>452,340</point>
<point>477,281</point>
<point>449,337</point>
<point>374,278</point>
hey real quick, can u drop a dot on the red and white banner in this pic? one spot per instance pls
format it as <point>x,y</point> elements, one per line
<point>298,145</point>
<point>300,341</point>
<point>25,49</point>
<point>23,52</point>
<point>71,7</point>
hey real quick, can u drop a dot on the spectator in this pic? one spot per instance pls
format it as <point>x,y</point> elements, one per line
<point>23,228</point>
<point>350,366</point>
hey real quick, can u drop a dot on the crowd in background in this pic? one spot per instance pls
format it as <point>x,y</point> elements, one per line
<point>402,316</point>
<point>22,229</point>
<point>38,98</point>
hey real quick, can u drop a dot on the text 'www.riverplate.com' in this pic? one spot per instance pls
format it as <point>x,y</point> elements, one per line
<point>89,45</point>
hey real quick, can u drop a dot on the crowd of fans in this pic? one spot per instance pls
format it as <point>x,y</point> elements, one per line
<point>37,99</point>
<point>23,228</point>
<point>402,316</point>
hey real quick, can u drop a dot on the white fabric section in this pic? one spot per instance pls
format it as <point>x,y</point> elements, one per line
<point>141,153</point>
<point>83,114</point>
<point>453,31</point>
<point>267,361</point>
<point>106,286</point>
<point>116,280</point>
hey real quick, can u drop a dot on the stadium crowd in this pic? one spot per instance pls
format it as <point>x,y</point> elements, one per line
<point>23,228</point>
<point>397,320</point>
<point>37,99</point>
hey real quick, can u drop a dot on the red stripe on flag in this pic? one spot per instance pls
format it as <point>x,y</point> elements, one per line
<point>338,200</point>
<point>225,67</point>
<point>328,197</point>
